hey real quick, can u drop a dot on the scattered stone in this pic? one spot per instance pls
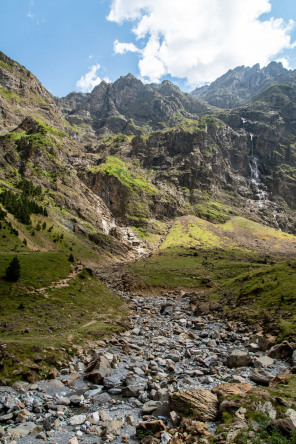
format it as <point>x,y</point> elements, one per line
<point>73,441</point>
<point>98,369</point>
<point>281,351</point>
<point>201,403</point>
<point>227,388</point>
<point>285,426</point>
<point>148,427</point>
<point>238,358</point>
<point>261,376</point>
<point>77,420</point>
<point>263,361</point>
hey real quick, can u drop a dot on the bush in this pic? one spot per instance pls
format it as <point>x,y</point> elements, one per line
<point>13,271</point>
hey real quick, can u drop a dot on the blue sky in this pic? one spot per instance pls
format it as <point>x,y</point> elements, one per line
<point>73,45</point>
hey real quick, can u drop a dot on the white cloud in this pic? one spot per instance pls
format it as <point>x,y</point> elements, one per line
<point>122,48</point>
<point>285,62</point>
<point>200,39</point>
<point>30,15</point>
<point>87,82</point>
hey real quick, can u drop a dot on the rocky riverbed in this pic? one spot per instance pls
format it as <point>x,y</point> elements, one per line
<point>138,385</point>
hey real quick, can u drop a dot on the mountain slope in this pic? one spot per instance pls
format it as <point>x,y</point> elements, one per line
<point>238,86</point>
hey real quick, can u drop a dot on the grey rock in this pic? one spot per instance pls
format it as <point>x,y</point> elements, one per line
<point>150,406</point>
<point>238,358</point>
<point>261,376</point>
<point>77,420</point>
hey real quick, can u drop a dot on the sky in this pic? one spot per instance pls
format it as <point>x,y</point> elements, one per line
<point>74,45</point>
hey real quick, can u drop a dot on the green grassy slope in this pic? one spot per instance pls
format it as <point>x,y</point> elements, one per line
<point>241,267</point>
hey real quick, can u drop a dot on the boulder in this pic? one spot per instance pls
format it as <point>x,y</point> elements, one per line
<point>112,427</point>
<point>26,428</point>
<point>291,413</point>
<point>294,358</point>
<point>98,369</point>
<point>150,406</point>
<point>281,351</point>
<point>202,404</point>
<point>150,427</point>
<point>228,388</point>
<point>77,420</point>
<point>261,376</point>
<point>285,426</point>
<point>238,358</point>
<point>263,361</point>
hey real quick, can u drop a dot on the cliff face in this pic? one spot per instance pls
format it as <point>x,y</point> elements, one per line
<point>128,106</point>
<point>134,155</point>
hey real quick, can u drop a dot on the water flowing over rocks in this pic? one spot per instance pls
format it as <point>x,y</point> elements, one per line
<point>141,384</point>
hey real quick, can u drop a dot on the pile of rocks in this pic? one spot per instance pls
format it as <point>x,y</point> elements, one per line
<point>142,384</point>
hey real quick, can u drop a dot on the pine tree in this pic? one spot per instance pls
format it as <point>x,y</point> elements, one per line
<point>13,271</point>
<point>71,257</point>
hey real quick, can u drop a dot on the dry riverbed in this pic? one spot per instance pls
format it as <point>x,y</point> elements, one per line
<point>169,379</point>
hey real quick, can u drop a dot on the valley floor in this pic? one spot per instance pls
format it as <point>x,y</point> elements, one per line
<point>112,389</point>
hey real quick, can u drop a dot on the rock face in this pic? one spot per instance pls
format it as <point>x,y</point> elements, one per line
<point>20,87</point>
<point>238,86</point>
<point>130,107</point>
<point>198,402</point>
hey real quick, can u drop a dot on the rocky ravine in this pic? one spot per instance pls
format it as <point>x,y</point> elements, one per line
<point>140,384</point>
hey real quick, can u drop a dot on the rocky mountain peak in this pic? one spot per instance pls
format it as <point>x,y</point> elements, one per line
<point>239,85</point>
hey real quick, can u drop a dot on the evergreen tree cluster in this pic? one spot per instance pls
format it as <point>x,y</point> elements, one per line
<point>21,206</point>
<point>29,188</point>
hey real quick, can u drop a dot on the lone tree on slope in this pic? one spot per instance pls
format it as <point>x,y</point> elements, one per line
<point>13,271</point>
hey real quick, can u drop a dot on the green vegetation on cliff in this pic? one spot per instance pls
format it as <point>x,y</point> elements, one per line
<point>113,166</point>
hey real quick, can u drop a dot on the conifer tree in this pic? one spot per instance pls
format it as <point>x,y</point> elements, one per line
<point>13,271</point>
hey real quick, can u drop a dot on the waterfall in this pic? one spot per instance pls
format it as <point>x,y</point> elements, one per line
<point>253,162</point>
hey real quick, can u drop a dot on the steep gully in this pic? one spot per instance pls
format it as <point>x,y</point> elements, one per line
<point>113,384</point>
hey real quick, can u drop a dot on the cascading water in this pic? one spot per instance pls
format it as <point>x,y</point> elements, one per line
<point>257,185</point>
<point>253,161</point>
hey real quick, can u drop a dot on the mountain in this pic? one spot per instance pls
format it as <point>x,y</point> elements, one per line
<point>134,155</point>
<point>240,85</point>
<point>128,106</point>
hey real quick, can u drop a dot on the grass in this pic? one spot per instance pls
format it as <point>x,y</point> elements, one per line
<point>267,293</point>
<point>57,317</point>
<point>39,311</point>
<point>257,230</point>
<point>189,232</point>
<point>4,65</point>
<point>38,269</point>
<point>193,254</point>
<point>214,212</point>
<point>8,94</point>
<point>244,283</point>
<point>122,171</point>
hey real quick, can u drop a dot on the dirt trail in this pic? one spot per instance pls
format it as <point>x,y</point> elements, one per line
<point>59,284</point>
